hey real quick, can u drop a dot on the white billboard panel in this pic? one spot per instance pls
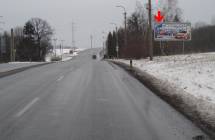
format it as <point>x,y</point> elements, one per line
<point>172,32</point>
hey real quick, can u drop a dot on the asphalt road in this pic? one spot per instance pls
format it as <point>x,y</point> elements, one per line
<point>85,99</point>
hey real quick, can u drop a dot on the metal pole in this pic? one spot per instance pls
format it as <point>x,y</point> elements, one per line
<point>55,46</point>
<point>150,31</point>
<point>183,46</point>
<point>104,49</point>
<point>12,52</point>
<point>11,47</point>
<point>1,29</point>
<point>125,16</point>
<point>126,41</point>
<point>73,35</point>
<point>103,45</point>
<point>91,38</point>
<point>117,45</point>
<point>62,45</point>
<point>62,49</point>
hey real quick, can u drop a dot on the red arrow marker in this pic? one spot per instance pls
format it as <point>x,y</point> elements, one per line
<point>159,17</point>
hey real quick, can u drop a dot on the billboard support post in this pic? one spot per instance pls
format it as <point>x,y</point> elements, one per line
<point>183,47</point>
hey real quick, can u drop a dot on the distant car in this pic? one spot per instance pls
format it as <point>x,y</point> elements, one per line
<point>182,35</point>
<point>94,56</point>
<point>162,32</point>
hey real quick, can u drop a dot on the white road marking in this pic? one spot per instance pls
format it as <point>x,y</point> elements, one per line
<point>27,107</point>
<point>60,78</point>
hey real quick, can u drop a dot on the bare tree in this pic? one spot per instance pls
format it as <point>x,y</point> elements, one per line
<point>42,33</point>
<point>171,11</point>
<point>18,34</point>
<point>200,24</point>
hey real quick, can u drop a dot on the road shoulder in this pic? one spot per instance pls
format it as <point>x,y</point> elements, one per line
<point>199,113</point>
<point>20,69</point>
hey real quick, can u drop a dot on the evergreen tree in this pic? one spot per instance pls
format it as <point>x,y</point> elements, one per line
<point>114,43</point>
<point>109,45</point>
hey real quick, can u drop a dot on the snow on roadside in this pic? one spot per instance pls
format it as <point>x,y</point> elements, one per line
<point>16,65</point>
<point>65,54</point>
<point>17,62</point>
<point>195,73</point>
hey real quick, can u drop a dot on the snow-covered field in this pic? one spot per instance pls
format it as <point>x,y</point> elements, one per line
<point>194,73</point>
<point>65,53</point>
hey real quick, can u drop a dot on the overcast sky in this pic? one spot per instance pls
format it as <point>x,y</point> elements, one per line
<point>89,16</point>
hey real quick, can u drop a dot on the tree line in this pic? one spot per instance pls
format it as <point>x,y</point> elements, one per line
<point>32,41</point>
<point>137,35</point>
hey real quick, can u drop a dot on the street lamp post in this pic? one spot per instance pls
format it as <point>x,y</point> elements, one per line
<point>125,14</point>
<point>1,29</point>
<point>117,45</point>
<point>91,39</point>
<point>55,46</point>
<point>12,48</point>
<point>62,41</point>
<point>104,48</point>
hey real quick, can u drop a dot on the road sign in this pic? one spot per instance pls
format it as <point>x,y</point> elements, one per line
<point>172,32</point>
<point>159,18</point>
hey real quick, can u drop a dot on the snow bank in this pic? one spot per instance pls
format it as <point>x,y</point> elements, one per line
<point>194,73</point>
<point>17,62</point>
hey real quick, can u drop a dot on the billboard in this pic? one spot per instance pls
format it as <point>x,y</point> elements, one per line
<point>172,32</point>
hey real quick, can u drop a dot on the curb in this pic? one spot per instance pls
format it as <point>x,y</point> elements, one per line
<point>180,102</point>
<point>14,71</point>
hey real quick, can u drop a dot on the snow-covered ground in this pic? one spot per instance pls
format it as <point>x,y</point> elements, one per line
<point>65,53</point>
<point>194,73</point>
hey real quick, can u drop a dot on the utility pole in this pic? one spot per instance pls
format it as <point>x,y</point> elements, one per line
<point>91,38</point>
<point>126,41</point>
<point>150,30</point>
<point>62,49</point>
<point>125,18</point>
<point>12,48</point>
<point>73,35</point>
<point>117,46</point>
<point>55,46</point>
<point>1,39</point>
<point>104,46</point>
